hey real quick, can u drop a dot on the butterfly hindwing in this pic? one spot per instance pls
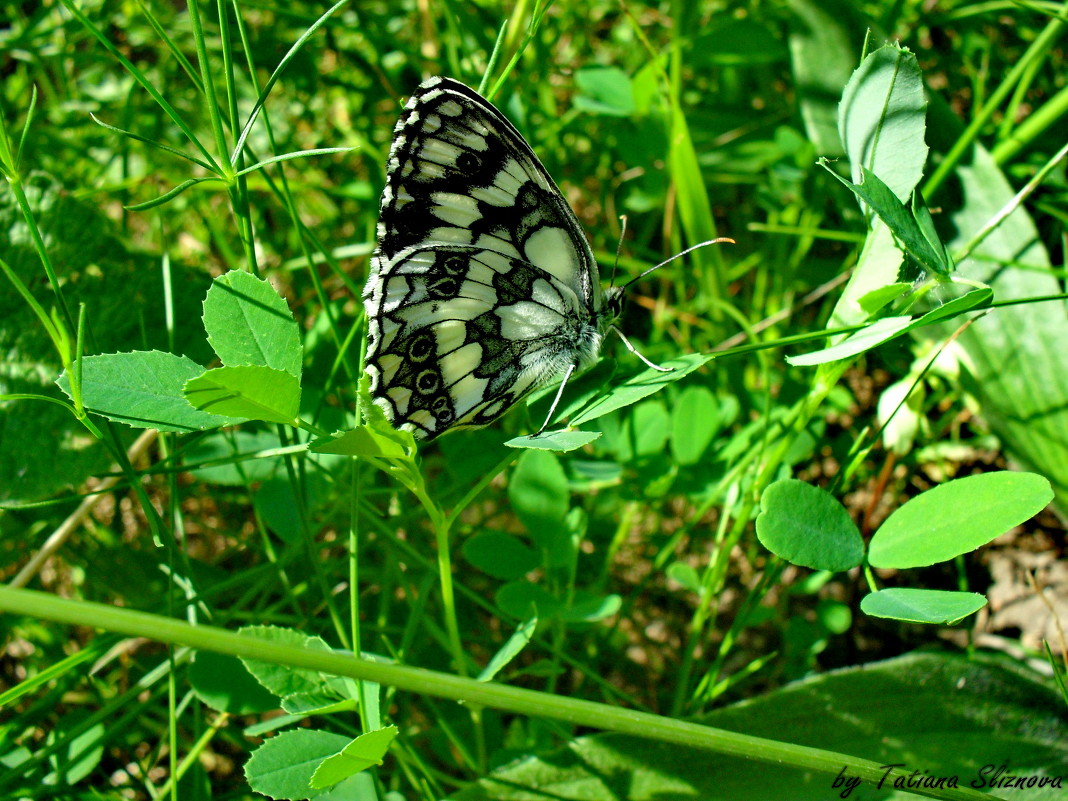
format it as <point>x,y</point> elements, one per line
<point>482,284</point>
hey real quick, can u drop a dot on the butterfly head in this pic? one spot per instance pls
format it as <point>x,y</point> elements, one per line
<point>613,304</point>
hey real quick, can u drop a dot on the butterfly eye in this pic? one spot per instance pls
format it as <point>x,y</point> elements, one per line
<point>443,288</point>
<point>455,265</point>
<point>421,348</point>
<point>427,382</point>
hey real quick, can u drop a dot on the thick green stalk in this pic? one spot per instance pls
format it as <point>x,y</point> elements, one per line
<point>578,712</point>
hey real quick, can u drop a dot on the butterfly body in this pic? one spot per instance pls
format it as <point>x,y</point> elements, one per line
<point>482,285</point>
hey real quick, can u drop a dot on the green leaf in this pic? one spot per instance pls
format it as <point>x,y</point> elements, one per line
<point>252,392</point>
<point>876,299</point>
<point>901,417</point>
<point>562,441</point>
<point>281,680</point>
<point>865,339</point>
<point>78,754</point>
<point>925,221</point>
<point>695,420</point>
<point>375,438</point>
<point>306,704</point>
<point>171,194</point>
<point>898,219</point>
<point>591,608</point>
<point>646,428</point>
<point>581,390</point>
<point>940,714</point>
<point>686,575</point>
<point>43,449</point>
<point>249,324</point>
<point>226,685</point>
<point>975,299</point>
<point>880,266</point>
<point>807,526</point>
<point>166,148</point>
<point>957,517</point>
<point>523,600</point>
<point>278,503</point>
<point>15,757</point>
<point>640,386</point>
<point>298,154</point>
<point>741,42</point>
<point>367,441</point>
<point>835,616</point>
<point>283,766</point>
<point>144,390</point>
<point>233,451</point>
<point>500,555</point>
<point>366,750</point>
<point>540,496</point>
<point>507,652</point>
<point>881,120</point>
<point>887,328</point>
<point>469,457</point>
<point>691,192</point>
<point>604,90</point>
<point>922,606</point>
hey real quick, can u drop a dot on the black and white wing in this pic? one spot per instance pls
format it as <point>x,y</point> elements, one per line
<point>482,285</point>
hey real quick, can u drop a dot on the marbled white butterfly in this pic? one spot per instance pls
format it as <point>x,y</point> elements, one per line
<point>482,285</point>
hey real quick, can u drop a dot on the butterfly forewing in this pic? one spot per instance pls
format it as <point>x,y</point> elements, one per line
<point>482,284</point>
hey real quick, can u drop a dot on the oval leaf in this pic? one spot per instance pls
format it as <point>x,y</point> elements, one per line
<point>281,680</point>
<point>592,608</point>
<point>807,526</point>
<point>957,517</point>
<point>562,440</point>
<point>523,600</point>
<point>695,419</point>
<point>224,683</point>
<point>500,555</point>
<point>538,491</point>
<point>922,606</point>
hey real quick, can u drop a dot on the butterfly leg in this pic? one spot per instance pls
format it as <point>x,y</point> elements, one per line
<point>633,350</point>
<point>556,400</point>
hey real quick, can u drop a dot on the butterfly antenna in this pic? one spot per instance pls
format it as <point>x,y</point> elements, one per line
<point>619,248</point>
<point>691,249</point>
<point>626,341</point>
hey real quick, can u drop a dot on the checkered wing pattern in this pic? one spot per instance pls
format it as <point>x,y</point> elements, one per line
<point>482,285</point>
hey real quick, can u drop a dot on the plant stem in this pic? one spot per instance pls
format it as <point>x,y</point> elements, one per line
<point>575,711</point>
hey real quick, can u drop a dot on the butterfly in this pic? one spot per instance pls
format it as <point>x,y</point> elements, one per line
<point>482,285</point>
